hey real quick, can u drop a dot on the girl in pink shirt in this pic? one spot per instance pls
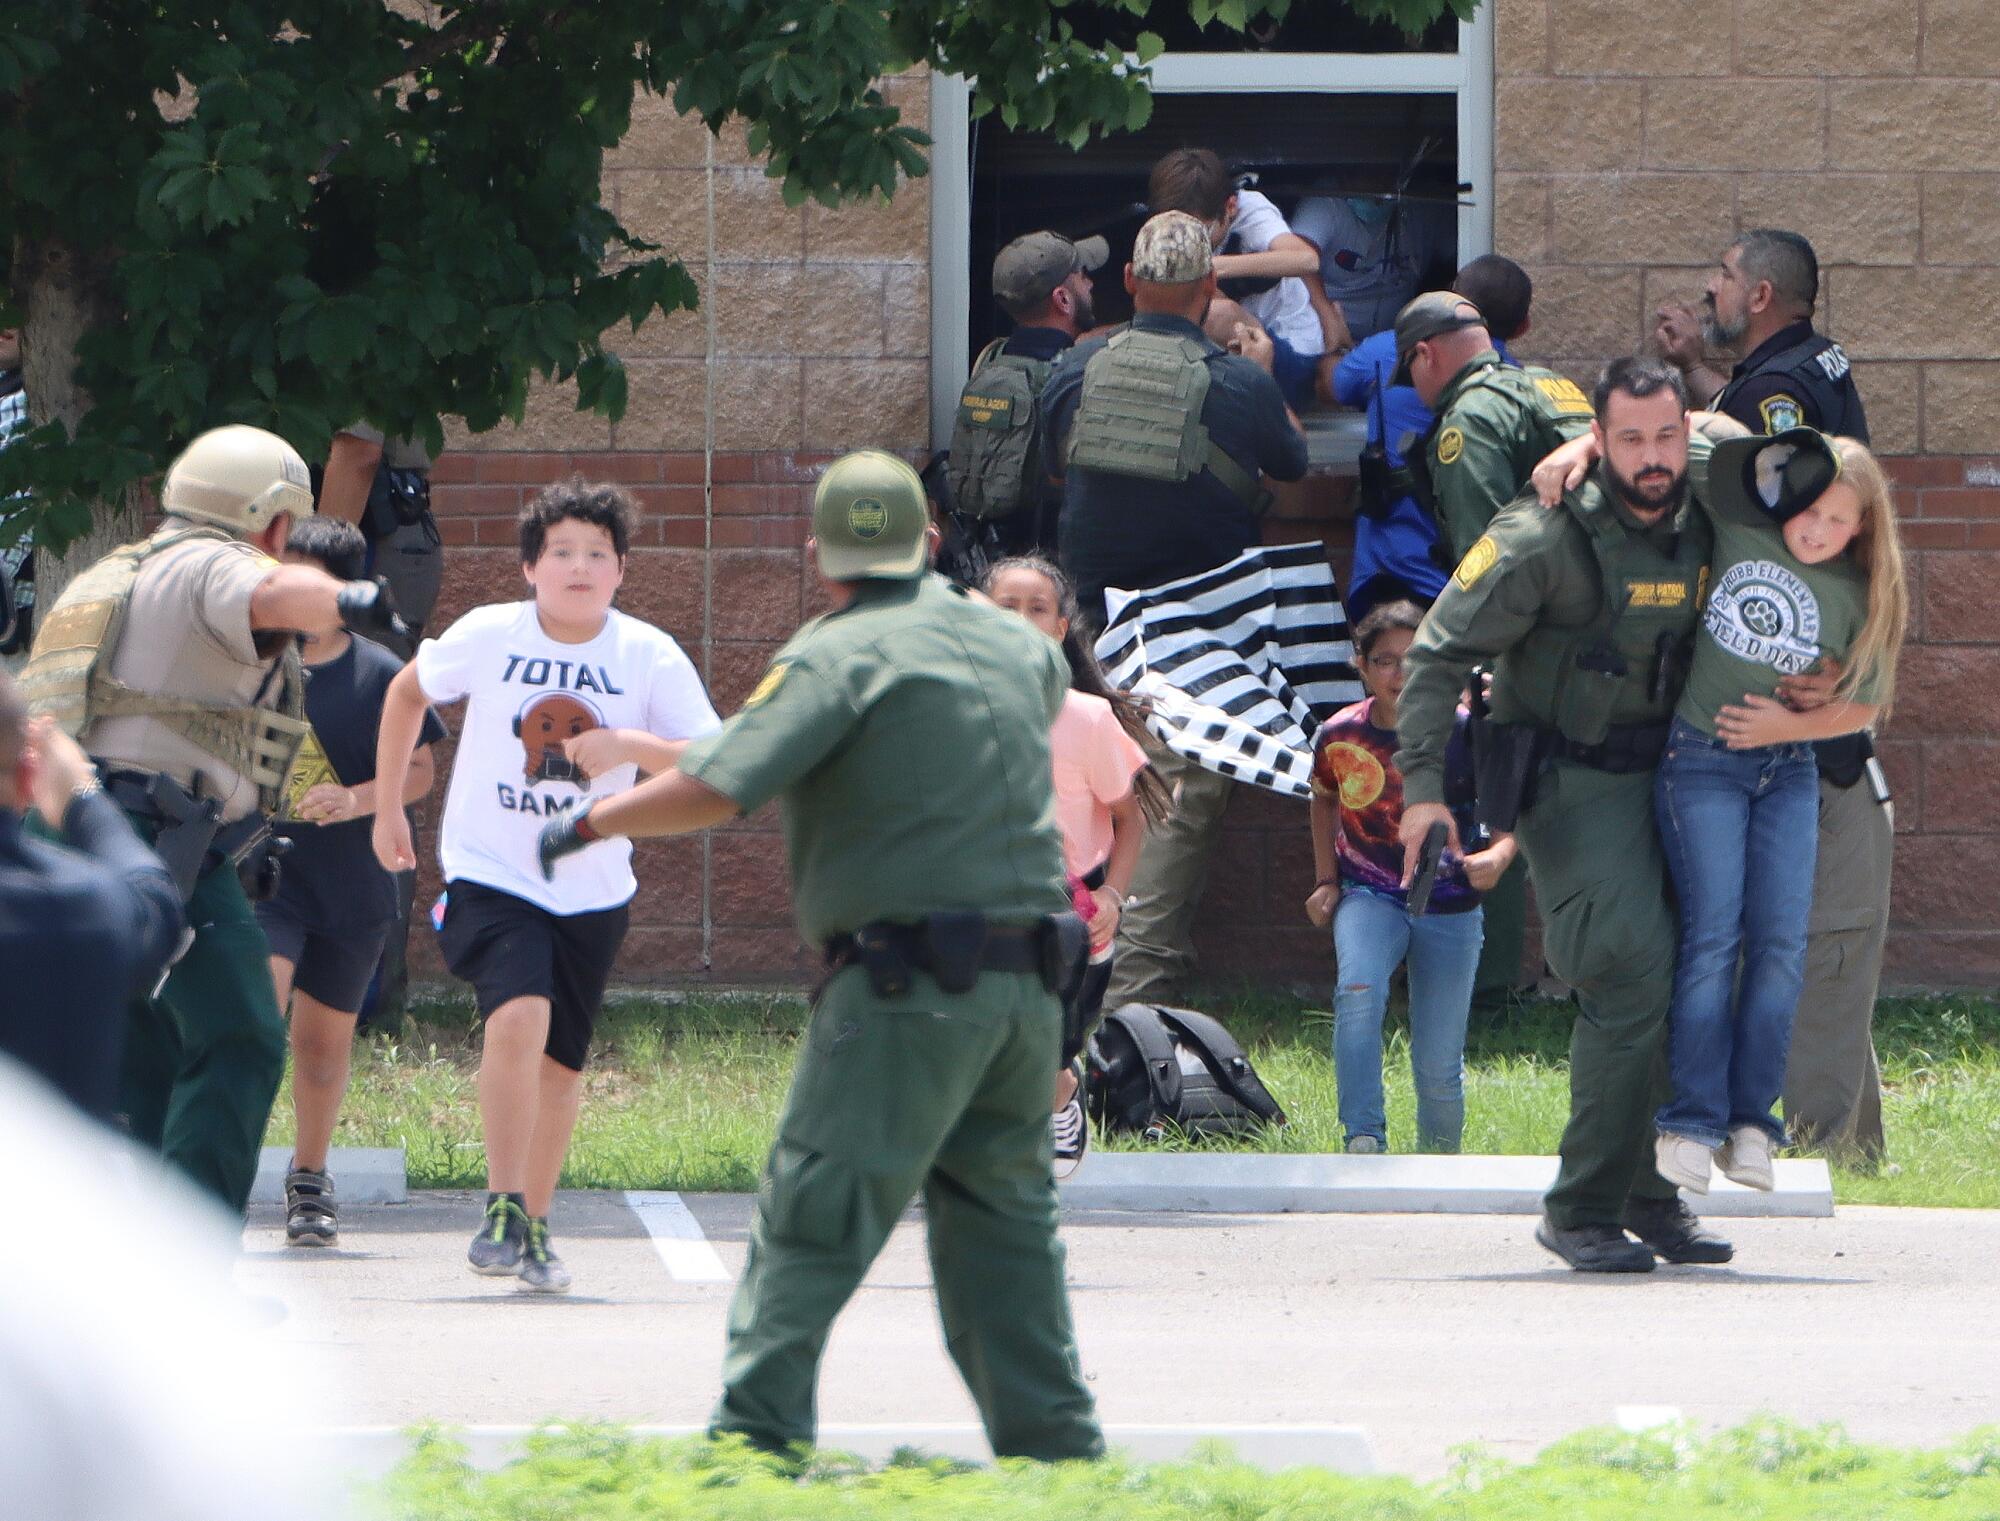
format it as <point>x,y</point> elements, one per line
<point>1105,792</point>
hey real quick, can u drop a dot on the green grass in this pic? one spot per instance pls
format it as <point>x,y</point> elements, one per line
<point>1763,1471</point>
<point>684,1090</point>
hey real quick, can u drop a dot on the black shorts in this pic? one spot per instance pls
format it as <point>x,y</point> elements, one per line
<point>334,966</point>
<point>508,948</point>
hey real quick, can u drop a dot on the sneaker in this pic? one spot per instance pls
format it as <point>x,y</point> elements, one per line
<point>1072,1132</point>
<point>1683,1161</point>
<point>496,1251</point>
<point>542,1271</point>
<point>1674,1233</point>
<point>310,1216</point>
<point>1746,1157</point>
<point>1364,1146</point>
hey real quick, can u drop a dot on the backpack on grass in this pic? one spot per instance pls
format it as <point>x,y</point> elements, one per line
<point>1152,1069</point>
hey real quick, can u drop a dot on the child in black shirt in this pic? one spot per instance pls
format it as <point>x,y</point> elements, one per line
<point>335,904</point>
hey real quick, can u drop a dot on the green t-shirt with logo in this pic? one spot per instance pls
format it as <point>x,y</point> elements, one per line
<point>1768,615</point>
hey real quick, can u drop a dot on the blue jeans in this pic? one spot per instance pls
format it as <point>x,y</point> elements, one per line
<point>1371,935</point>
<point>1740,829</point>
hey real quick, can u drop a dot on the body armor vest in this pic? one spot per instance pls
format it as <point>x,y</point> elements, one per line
<point>1627,664</point>
<point>1818,369</point>
<point>1140,415</point>
<point>996,465</point>
<point>68,677</point>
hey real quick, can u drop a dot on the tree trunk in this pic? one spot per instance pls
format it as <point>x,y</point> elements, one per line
<point>63,297</point>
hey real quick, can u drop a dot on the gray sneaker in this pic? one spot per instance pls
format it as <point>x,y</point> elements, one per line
<point>542,1271</point>
<point>311,1218</point>
<point>1364,1146</point>
<point>496,1251</point>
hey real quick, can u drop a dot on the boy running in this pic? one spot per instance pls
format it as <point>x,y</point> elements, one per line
<point>567,701</point>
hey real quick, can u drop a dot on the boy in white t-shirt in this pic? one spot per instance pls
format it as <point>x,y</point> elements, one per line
<point>1253,243</point>
<point>567,700</point>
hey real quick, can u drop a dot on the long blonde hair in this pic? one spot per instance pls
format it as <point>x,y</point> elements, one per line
<point>1878,550</point>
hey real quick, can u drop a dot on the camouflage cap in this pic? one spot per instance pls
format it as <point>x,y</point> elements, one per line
<point>1430,315</point>
<point>870,518</point>
<point>1778,476</point>
<point>1172,249</point>
<point>1034,264</point>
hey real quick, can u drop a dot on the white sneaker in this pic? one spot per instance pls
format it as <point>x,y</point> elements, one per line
<point>1364,1146</point>
<point>1072,1132</point>
<point>1746,1157</point>
<point>1683,1161</point>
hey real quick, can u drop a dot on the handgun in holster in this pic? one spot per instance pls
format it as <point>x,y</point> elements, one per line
<point>1506,760</point>
<point>187,824</point>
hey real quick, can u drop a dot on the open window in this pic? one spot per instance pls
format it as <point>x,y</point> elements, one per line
<point>1319,106</point>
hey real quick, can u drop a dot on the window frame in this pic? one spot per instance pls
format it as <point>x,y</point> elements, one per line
<point>1467,74</point>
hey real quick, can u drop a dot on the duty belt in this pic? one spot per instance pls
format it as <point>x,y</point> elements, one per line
<point>188,837</point>
<point>1624,748</point>
<point>954,948</point>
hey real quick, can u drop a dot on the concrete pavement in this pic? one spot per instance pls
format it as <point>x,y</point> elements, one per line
<point>1428,1331</point>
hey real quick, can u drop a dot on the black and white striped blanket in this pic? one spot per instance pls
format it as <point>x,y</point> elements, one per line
<point>1242,663</point>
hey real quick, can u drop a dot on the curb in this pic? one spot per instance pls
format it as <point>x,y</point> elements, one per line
<point>1263,1183</point>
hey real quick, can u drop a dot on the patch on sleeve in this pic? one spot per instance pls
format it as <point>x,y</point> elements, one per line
<point>773,679</point>
<point>1479,559</point>
<point>1451,444</point>
<point>1781,412</point>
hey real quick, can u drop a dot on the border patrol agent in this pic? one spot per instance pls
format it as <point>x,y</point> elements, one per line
<point>944,920</point>
<point>171,662</point>
<point>1762,297</point>
<point>1492,422</point>
<point>1589,613</point>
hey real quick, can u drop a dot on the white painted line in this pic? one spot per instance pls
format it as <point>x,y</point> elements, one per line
<point>361,1175</point>
<point>1641,1418</point>
<point>1408,1183</point>
<point>371,1451</point>
<point>677,1237</point>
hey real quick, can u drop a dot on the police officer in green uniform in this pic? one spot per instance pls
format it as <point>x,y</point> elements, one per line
<point>941,911</point>
<point>1492,422</point>
<point>172,662</point>
<point>1587,613</point>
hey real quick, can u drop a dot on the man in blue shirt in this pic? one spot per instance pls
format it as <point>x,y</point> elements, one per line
<point>1394,552</point>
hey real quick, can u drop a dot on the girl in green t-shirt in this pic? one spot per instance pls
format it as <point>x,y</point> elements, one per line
<point>1807,575</point>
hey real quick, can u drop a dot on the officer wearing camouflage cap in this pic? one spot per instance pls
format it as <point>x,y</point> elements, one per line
<point>941,911</point>
<point>171,661</point>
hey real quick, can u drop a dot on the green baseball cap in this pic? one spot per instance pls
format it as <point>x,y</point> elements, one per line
<point>1430,315</point>
<point>871,519</point>
<point>1778,476</point>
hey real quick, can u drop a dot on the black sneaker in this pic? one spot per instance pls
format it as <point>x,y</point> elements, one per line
<point>1072,1131</point>
<point>310,1215</point>
<point>1595,1248</point>
<point>1675,1232</point>
<point>542,1271</point>
<point>496,1251</point>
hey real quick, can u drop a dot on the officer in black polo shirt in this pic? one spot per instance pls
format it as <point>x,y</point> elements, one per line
<point>1760,304</point>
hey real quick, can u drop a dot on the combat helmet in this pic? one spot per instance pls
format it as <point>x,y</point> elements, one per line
<point>238,478</point>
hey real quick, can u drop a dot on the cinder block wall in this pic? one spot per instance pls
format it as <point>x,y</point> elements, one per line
<point>1632,140</point>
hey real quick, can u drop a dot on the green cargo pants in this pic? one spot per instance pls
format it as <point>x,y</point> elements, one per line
<point>1505,914</point>
<point>204,1059</point>
<point>1594,859</point>
<point>934,1092</point>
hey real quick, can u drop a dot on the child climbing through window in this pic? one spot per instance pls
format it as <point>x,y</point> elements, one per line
<point>1105,794</point>
<point>1357,808</point>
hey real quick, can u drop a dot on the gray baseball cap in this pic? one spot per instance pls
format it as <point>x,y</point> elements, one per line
<point>1779,476</point>
<point>1034,264</point>
<point>1430,315</point>
<point>1172,249</point>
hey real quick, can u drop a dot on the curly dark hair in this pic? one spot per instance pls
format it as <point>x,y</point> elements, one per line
<point>598,502</point>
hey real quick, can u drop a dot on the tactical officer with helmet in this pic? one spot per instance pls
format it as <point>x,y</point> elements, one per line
<point>1160,437</point>
<point>942,913</point>
<point>1492,421</point>
<point>172,662</point>
<point>1760,302</point>
<point>1587,612</point>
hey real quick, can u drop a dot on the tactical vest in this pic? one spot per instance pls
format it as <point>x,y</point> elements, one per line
<point>1140,415</point>
<point>996,467</point>
<point>1553,405</point>
<point>1627,665</point>
<point>68,677</point>
<point>1819,371</point>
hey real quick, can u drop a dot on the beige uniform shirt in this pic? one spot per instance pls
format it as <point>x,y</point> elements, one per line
<point>187,634</point>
